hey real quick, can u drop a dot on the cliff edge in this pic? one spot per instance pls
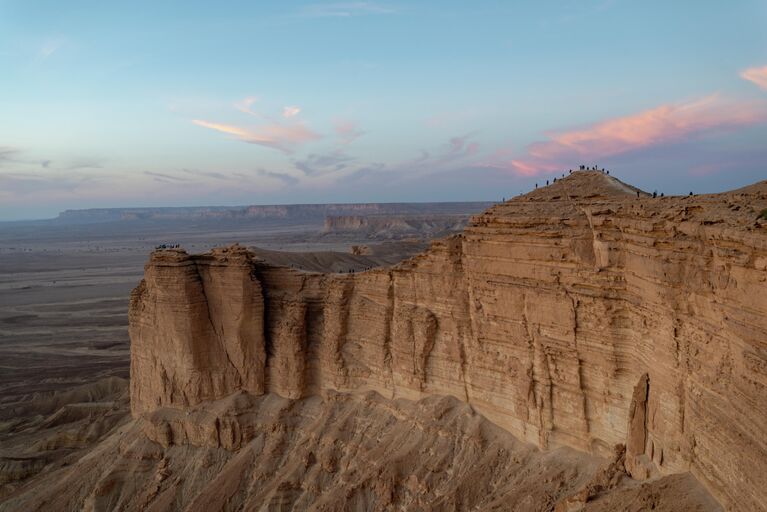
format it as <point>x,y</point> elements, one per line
<point>585,314</point>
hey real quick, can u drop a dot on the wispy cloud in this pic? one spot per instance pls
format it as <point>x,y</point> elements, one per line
<point>281,134</point>
<point>273,135</point>
<point>82,163</point>
<point>756,75</point>
<point>318,164</point>
<point>245,106</point>
<point>657,126</point>
<point>344,10</point>
<point>290,111</point>
<point>209,174</point>
<point>463,146</point>
<point>48,48</point>
<point>285,178</point>
<point>165,178</point>
<point>459,152</point>
<point>8,154</point>
<point>347,131</point>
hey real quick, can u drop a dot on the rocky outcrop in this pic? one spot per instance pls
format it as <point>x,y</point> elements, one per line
<point>636,440</point>
<point>544,315</point>
<point>197,330</point>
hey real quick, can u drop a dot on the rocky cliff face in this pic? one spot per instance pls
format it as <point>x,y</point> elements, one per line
<point>582,314</point>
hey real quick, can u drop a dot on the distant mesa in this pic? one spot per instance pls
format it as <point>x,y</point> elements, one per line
<point>280,212</point>
<point>388,226</point>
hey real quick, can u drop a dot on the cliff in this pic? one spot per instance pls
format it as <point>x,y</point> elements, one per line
<point>585,314</point>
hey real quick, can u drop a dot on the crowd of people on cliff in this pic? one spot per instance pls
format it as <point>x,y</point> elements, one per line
<point>603,171</point>
<point>580,168</point>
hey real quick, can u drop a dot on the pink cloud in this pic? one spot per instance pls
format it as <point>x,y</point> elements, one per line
<point>503,159</point>
<point>277,136</point>
<point>660,125</point>
<point>290,111</point>
<point>347,131</point>
<point>245,105</point>
<point>757,76</point>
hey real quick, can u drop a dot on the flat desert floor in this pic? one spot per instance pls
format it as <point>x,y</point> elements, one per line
<point>64,290</point>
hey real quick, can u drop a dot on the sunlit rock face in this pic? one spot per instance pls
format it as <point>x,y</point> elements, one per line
<point>581,314</point>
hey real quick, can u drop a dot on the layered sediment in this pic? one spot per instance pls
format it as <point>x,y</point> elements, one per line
<point>585,314</point>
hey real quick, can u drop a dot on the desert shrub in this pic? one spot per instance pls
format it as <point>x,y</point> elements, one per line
<point>763,215</point>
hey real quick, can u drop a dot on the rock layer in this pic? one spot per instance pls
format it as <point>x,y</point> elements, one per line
<point>543,316</point>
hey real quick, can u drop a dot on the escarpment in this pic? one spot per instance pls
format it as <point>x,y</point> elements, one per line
<point>584,314</point>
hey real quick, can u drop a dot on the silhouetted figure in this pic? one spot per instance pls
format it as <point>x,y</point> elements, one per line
<point>690,192</point>
<point>555,180</point>
<point>608,173</point>
<point>536,185</point>
<point>547,182</point>
<point>571,171</point>
<point>637,194</point>
<point>654,194</point>
<point>661,194</point>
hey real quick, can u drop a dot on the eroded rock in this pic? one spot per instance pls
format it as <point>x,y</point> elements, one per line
<point>543,315</point>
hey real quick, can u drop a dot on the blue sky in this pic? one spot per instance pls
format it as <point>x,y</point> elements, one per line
<point>193,103</point>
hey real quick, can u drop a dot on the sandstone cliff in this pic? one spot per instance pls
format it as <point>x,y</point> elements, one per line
<point>579,315</point>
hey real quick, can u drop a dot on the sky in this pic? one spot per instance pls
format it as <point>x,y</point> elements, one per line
<point>116,104</point>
